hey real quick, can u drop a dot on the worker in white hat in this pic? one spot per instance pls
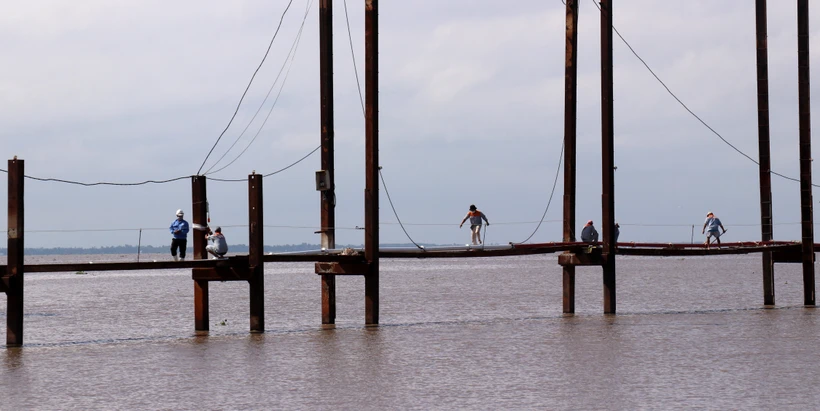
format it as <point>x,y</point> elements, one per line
<point>179,236</point>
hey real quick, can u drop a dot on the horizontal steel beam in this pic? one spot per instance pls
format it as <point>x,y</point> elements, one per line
<point>239,273</point>
<point>342,268</point>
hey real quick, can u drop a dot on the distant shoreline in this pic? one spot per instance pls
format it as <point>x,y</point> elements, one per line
<point>150,249</point>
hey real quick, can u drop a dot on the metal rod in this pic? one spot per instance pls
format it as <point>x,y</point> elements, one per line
<point>608,158</point>
<point>570,138</point>
<point>256,253</point>
<point>371,196</point>
<point>15,244</point>
<point>766,230</point>
<point>199,213</point>
<point>804,107</point>
<point>139,246</point>
<point>328,197</point>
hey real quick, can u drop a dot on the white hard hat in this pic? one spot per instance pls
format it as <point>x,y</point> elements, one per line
<point>180,213</point>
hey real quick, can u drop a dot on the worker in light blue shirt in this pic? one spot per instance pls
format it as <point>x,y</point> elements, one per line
<point>179,236</point>
<point>710,227</point>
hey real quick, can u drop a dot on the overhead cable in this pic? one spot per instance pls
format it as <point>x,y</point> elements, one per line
<point>281,19</point>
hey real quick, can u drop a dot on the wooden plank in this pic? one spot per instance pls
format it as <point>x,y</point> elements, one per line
<point>359,268</point>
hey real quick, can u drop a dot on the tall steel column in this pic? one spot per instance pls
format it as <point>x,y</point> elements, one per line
<point>256,251</point>
<point>371,195</point>
<point>804,104</point>
<point>570,111</point>
<point>199,215</point>
<point>328,197</point>
<point>608,160</point>
<point>15,244</point>
<point>766,229</point>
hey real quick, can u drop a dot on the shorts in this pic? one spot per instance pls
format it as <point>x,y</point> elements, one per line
<point>475,227</point>
<point>715,234</point>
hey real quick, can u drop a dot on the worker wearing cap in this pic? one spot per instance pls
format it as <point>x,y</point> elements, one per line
<point>710,227</point>
<point>179,236</point>
<point>220,246</point>
<point>589,234</point>
<point>475,216</point>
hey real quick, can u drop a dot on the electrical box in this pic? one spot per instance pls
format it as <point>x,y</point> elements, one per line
<point>322,180</point>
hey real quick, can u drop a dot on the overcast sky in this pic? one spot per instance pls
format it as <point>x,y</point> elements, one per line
<point>471,112</point>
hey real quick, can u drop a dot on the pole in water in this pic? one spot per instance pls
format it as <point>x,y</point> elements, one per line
<point>139,244</point>
<point>693,234</point>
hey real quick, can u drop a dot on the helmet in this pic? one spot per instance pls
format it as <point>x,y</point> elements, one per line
<point>180,213</point>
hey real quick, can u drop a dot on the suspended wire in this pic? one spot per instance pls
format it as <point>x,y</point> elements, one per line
<point>689,110</point>
<point>231,180</point>
<point>102,183</point>
<point>554,184</point>
<point>281,19</point>
<point>353,57</point>
<point>394,211</point>
<point>361,100</point>
<point>292,52</point>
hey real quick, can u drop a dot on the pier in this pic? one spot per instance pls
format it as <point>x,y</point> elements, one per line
<point>331,262</point>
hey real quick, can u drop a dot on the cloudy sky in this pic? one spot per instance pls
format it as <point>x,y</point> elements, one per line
<point>471,95</point>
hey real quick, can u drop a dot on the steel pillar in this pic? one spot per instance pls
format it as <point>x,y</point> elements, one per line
<point>804,107</point>
<point>199,215</point>
<point>608,160</point>
<point>328,197</point>
<point>256,252</point>
<point>15,244</point>
<point>570,110</point>
<point>371,195</point>
<point>766,229</point>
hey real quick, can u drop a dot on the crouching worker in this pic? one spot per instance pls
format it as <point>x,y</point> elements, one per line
<point>219,246</point>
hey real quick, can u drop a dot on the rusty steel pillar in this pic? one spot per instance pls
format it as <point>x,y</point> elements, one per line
<point>199,215</point>
<point>371,192</point>
<point>804,108</point>
<point>608,154</point>
<point>256,251</point>
<point>14,267</point>
<point>766,229</point>
<point>328,196</point>
<point>570,137</point>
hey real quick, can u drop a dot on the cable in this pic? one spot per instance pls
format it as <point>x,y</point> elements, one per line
<point>353,56</point>
<point>293,48</point>
<point>689,110</point>
<point>554,184</point>
<point>231,180</point>
<point>281,19</point>
<point>102,183</point>
<point>394,210</point>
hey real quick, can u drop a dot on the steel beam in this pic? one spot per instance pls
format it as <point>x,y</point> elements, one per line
<point>371,195</point>
<point>570,138</point>
<point>328,197</point>
<point>15,244</point>
<point>256,250</point>
<point>804,107</point>
<point>608,160</point>
<point>199,213</point>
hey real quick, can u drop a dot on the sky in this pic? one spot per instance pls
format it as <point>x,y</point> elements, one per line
<point>471,112</point>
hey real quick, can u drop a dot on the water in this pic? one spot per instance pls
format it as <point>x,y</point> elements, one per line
<point>466,334</point>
